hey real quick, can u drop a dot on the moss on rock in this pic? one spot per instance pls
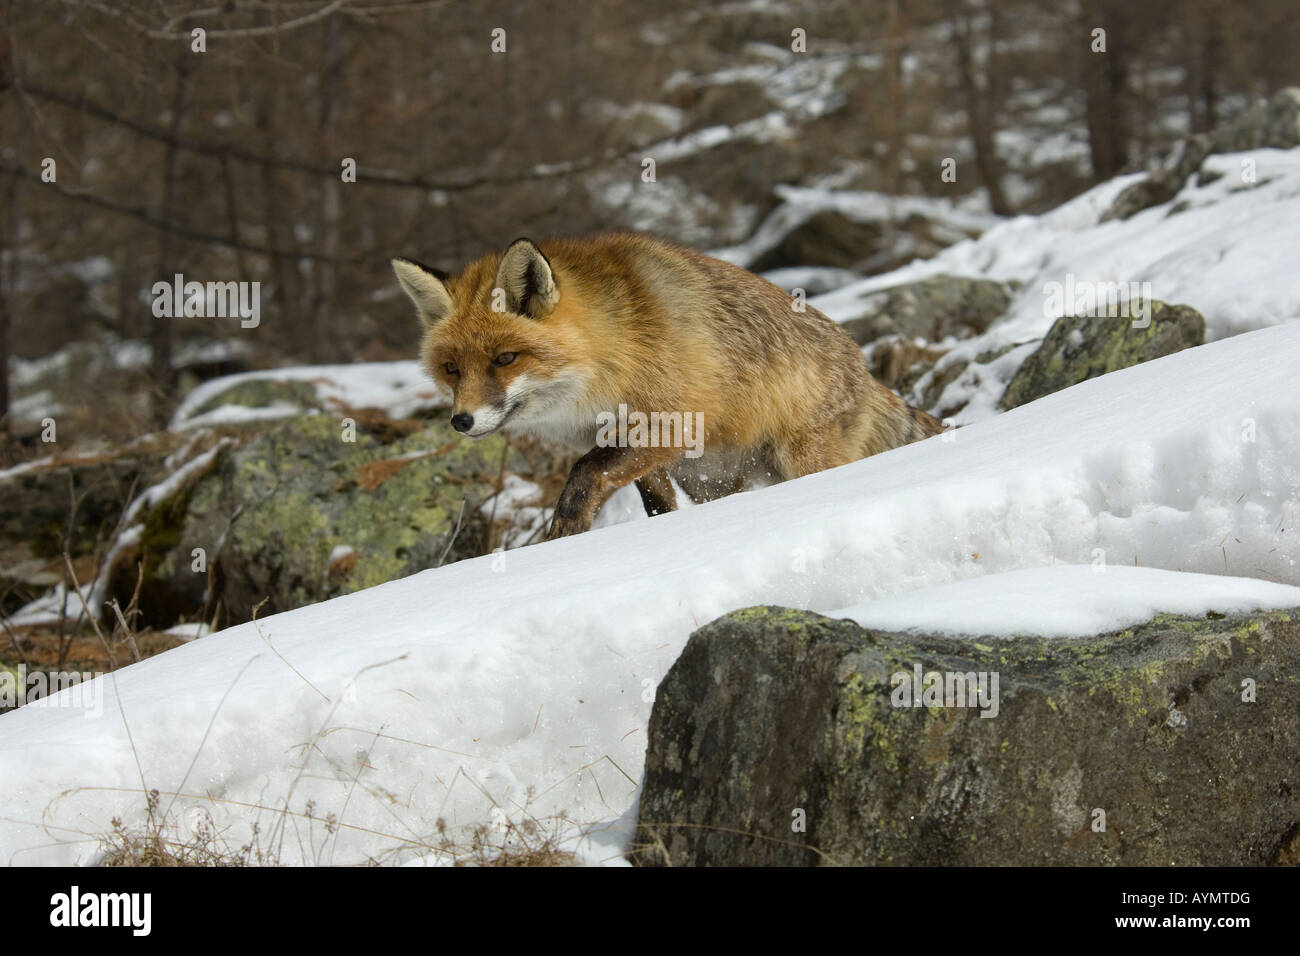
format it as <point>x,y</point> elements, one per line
<point>1080,347</point>
<point>770,711</point>
<point>309,510</point>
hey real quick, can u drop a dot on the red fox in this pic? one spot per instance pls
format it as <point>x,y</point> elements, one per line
<point>740,382</point>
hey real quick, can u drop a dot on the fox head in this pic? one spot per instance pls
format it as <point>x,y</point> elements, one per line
<point>497,336</point>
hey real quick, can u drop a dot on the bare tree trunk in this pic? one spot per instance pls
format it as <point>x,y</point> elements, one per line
<point>325,331</point>
<point>285,269</point>
<point>895,29</point>
<point>979,106</point>
<point>10,258</point>
<point>1211,60</point>
<point>161,330</point>
<point>1106,88</point>
<point>12,265</point>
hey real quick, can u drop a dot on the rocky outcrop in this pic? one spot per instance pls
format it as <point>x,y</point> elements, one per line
<point>907,329</point>
<point>926,385</point>
<point>870,246</point>
<point>1081,347</point>
<point>1274,124</point>
<point>777,738</point>
<point>933,309</point>
<point>308,509</point>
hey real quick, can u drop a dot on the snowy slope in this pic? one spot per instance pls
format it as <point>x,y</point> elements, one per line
<point>1226,248</point>
<point>526,679</point>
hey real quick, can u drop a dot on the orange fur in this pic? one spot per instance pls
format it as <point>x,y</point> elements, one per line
<point>629,320</point>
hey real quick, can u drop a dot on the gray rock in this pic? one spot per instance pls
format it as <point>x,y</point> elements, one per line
<point>926,390</point>
<point>772,715</point>
<point>1274,124</point>
<point>932,309</point>
<point>263,393</point>
<point>1078,348</point>
<point>297,515</point>
<point>872,246</point>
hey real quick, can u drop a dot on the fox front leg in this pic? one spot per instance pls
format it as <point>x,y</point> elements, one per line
<point>657,493</point>
<point>596,476</point>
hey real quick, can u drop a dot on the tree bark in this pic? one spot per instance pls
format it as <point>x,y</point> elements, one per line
<point>979,108</point>
<point>324,331</point>
<point>162,329</point>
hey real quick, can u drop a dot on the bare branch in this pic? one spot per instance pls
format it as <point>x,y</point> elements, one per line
<point>243,32</point>
<point>185,232</point>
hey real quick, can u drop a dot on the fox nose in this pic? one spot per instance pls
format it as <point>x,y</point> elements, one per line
<point>462,421</point>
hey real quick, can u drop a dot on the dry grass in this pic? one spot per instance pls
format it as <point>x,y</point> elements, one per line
<point>154,845</point>
<point>161,842</point>
<point>524,844</point>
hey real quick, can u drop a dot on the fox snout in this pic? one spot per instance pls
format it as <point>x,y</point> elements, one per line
<point>477,421</point>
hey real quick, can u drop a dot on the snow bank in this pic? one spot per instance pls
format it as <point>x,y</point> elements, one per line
<point>1226,248</point>
<point>1068,600</point>
<point>522,682</point>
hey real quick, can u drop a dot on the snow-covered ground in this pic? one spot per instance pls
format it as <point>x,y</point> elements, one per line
<point>520,684</point>
<point>1226,248</point>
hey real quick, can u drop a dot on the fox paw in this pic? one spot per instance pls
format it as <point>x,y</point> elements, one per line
<point>562,527</point>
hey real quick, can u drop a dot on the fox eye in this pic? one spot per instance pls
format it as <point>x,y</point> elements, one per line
<point>451,368</point>
<point>505,358</point>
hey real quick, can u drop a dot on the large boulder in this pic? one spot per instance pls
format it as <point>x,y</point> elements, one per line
<point>932,309</point>
<point>775,739</point>
<point>1080,347</point>
<point>308,509</point>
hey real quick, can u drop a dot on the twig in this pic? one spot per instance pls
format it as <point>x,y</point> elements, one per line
<point>13,639</point>
<point>257,627</point>
<point>501,483</point>
<point>243,32</point>
<point>456,531</point>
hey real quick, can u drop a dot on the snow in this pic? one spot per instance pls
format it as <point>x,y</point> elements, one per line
<point>799,204</point>
<point>670,207</point>
<point>400,389</point>
<point>239,414</point>
<point>1067,600</point>
<point>50,608</point>
<point>1228,252</point>
<point>814,280</point>
<point>33,409</point>
<point>189,632</point>
<point>522,682</point>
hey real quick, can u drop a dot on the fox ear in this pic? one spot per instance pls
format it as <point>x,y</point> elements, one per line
<point>427,288</point>
<point>525,275</point>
